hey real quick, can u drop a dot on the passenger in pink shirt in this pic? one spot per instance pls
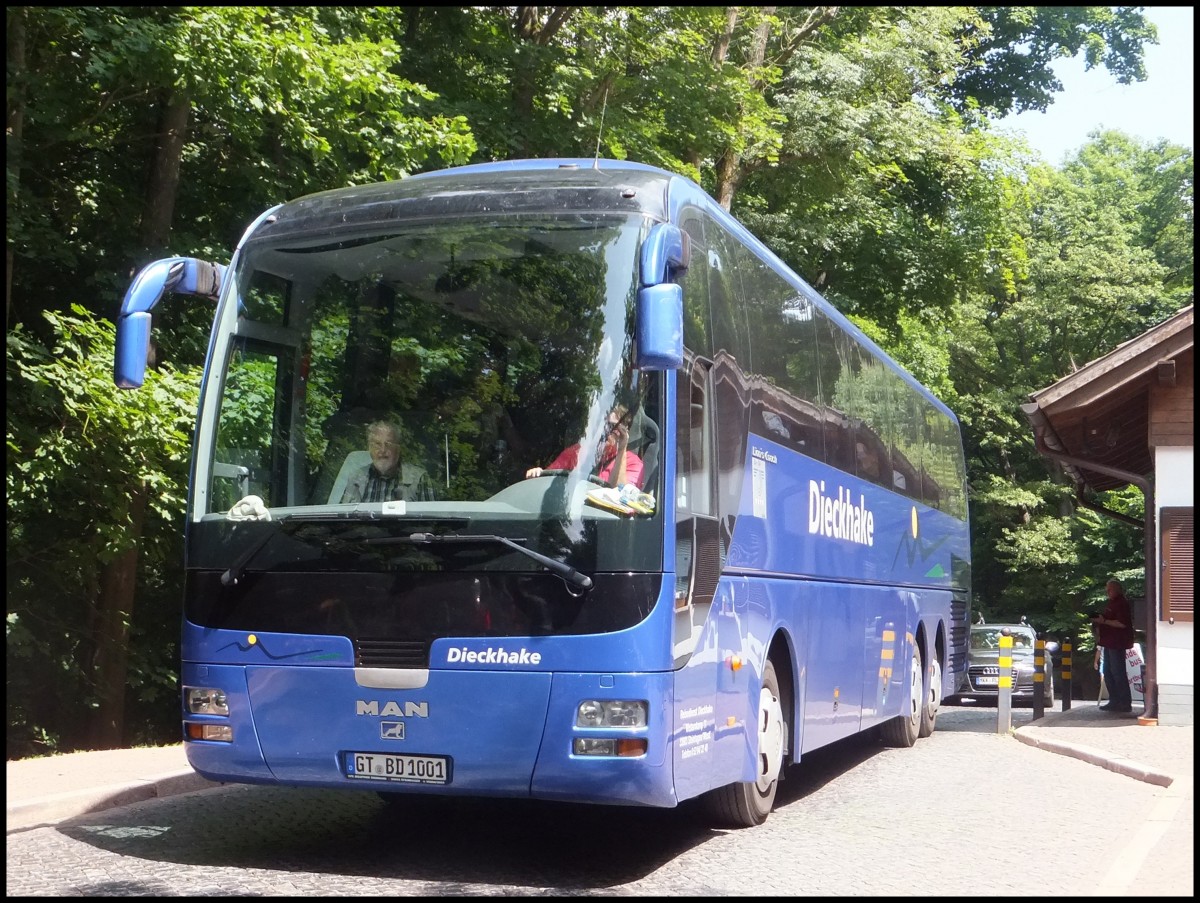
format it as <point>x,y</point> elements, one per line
<point>616,437</point>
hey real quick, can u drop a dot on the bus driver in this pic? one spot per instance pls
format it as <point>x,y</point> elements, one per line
<point>387,478</point>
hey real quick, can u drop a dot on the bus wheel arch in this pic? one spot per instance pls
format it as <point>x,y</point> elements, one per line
<point>782,657</point>
<point>745,804</point>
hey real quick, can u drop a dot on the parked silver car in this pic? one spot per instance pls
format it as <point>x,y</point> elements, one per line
<point>981,682</point>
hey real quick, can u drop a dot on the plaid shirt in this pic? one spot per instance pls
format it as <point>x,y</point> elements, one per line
<point>410,483</point>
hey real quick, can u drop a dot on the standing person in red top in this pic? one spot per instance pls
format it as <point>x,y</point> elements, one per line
<point>1115,635</point>
<point>612,452</point>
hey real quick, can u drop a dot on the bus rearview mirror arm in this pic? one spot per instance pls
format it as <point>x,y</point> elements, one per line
<point>185,275</point>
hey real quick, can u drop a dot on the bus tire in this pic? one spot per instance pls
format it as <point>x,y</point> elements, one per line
<point>745,804</point>
<point>903,730</point>
<point>933,699</point>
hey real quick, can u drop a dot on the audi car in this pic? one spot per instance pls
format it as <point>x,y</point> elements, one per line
<point>981,682</point>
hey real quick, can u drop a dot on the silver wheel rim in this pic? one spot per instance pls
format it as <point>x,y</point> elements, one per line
<point>770,739</point>
<point>934,699</point>
<point>916,689</point>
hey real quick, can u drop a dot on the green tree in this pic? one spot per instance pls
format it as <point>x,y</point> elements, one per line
<point>96,476</point>
<point>853,140</point>
<point>1009,61</point>
<point>143,116</point>
<point>1090,281</point>
<point>131,120</point>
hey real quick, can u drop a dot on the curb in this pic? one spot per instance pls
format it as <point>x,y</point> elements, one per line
<point>1119,764</point>
<point>51,809</point>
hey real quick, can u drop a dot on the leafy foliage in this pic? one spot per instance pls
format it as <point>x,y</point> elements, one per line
<point>1092,281</point>
<point>78,450</point>
<point>854,141</point>
<point>1010,59</point>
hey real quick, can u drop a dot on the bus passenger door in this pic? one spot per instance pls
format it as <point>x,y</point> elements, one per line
<point>698,558</point>
<point>697,649</point>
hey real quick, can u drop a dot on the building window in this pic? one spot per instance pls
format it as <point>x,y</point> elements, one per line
<point>1178,563</point>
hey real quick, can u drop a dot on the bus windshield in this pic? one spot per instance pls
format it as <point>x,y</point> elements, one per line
<point>409,380</point>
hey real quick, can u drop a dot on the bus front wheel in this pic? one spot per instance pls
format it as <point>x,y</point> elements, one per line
<point>748,803</point>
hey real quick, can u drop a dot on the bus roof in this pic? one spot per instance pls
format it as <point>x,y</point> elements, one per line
<point>538,185</point>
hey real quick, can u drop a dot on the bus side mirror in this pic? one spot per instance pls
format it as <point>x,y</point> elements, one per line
<point>660,327</point>
<point>133,348</point>
<point>659,314</point>
<point>172,274</point>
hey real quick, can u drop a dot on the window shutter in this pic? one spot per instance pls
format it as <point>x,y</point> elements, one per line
<point>1178,563</point>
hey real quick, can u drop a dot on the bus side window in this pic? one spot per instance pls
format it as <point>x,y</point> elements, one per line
<point>249,448</point>
<point>694,452</point>
<point>683,458</point>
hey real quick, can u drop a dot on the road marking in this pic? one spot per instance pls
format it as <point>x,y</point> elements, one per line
<point>1121,876</point>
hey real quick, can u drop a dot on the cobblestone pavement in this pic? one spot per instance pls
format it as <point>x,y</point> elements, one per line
<point>969,811</point>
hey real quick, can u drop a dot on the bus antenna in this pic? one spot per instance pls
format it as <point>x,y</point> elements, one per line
<point>600,131</point>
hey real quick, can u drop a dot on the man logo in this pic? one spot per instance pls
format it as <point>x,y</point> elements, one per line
<point>391,730</point>
<point>391,709</point>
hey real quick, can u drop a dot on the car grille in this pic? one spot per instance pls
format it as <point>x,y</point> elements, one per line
<point>1019,680</point>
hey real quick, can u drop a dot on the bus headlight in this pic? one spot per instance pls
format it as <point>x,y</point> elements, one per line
<point>205,701</point>
<point>611,713</point>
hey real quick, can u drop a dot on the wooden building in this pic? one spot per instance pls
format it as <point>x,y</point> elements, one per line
<point>1127,418</point>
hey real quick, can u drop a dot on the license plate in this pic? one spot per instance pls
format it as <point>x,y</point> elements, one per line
<point>987,680</point>
<point>398,767</point>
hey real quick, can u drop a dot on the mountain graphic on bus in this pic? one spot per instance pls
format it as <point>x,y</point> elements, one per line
<point>253,640</point>
<point>915,548</point>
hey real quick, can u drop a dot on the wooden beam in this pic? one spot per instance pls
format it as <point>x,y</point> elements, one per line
<point>1166,372</point>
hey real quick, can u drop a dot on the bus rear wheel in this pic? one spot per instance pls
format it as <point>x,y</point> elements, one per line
<point>933,699</point>
<point>903,730</point>
<point>745,804</point>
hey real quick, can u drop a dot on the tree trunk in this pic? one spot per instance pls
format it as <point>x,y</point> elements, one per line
<point>118,579</point>
<point>113,612</point>
<point>524,77</point>
<point>729,165</point>
<point>726,167</point>
<point>16,131</point>
<point>728,173</point>
<point>724,39</point>
<point>163,185</point>
<point>532,34</point>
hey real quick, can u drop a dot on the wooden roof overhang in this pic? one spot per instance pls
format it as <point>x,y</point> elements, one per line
<point>1099,415</point>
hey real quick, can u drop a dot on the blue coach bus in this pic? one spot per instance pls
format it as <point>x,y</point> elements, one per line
<point>788,566</point>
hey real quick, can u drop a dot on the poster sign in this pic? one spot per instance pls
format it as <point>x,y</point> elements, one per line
<point>1133,667</point>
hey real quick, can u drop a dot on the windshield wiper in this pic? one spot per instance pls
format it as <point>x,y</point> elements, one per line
<point>288,523</point>
<point>559,568</point>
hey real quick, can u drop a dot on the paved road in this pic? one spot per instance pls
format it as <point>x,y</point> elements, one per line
<point>965,812</point>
